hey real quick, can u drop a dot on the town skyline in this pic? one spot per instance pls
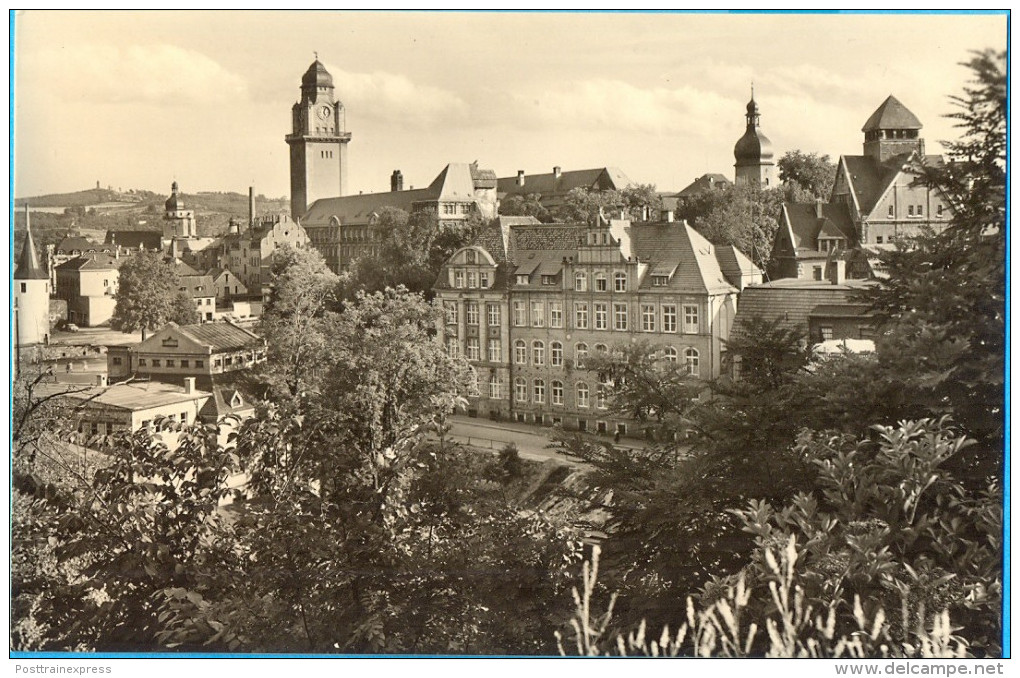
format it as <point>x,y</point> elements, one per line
<point>204,98</point>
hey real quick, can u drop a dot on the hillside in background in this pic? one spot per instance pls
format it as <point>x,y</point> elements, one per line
<point>94,211</point>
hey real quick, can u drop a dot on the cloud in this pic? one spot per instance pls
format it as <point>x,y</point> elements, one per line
<point>396,100</point>
<point>614,105</point>
<point>156,73</point>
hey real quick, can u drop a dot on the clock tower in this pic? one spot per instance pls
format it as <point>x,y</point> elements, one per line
<point>318,142</point>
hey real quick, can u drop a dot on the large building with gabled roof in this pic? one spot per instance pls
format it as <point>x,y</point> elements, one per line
<point>876,200</point>
<point>553,187</point>
<point>526,304</point>
<point>343,228</point>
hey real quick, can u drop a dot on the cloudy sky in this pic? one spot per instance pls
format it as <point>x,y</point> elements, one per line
<point>137,99</point>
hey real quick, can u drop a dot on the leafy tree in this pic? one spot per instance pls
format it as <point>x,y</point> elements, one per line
<point>641,200</point>
<point>183,310</point>
<point>744,216</point>
<point>582,205</point>
<point>529,205</point>
<point>297,321</point>
<point>148,295</point>
<point>807,175</point>
<point>412,249</point>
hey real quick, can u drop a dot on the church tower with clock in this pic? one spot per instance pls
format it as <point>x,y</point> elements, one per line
<point>318,143</point>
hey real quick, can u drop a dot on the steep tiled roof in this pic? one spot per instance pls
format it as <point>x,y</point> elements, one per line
<point>891,115</point>
<point>151,240</point>
<point>91,262</point>
<point>870,179</point>
<point>221,336</point>
<point>737,268</point>
<point>806,225</point>
<point>561,237</point>
<point>547,184</point>
<point>78,243</point>
<point>676,244</point>
<point>840,311</point>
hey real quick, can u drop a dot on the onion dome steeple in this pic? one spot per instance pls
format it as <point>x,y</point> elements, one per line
<point>753,151</point>
<point>174,202</point>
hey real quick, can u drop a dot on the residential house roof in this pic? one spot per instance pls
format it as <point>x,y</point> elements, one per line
<point>79,243</point>
<point>150,240</point>
<point>704,183</point>
<point>792,302</point>
<point>221,336</point>
<point>677,244</point>
<point>99,261</point>
<point>133,396</point>
<point>600,178</point>
<point>804,224</point>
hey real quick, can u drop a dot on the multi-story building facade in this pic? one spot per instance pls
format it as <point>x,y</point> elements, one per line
<point>249,254</point>
<point>89,284</point>
<point>344,228</point>
<point>527,305</point>
<point>876,200</point>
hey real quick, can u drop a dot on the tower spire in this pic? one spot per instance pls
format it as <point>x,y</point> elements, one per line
<point>29,267</point>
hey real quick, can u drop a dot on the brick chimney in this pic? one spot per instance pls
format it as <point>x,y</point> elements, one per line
<point>520,177</point>
<point>251,205</point>
<point>819,211</point>
<point>101,380</point>
<point>189,384</point>
<point>557,172</point>
<point>396,181</point>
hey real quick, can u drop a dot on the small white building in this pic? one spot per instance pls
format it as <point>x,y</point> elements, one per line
<point>31,296</point>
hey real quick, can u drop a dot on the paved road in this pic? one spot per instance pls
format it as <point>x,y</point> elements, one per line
<point>532,441</point>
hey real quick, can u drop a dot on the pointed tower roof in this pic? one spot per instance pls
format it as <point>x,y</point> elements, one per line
<point>29,267</point>
<point>892,115</point>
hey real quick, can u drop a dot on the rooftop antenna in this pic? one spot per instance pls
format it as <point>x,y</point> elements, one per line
<point>752,90</point>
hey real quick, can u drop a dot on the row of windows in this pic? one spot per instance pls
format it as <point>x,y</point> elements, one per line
<point>600,316</point>
<point>170,362</point>
<point>915,211</point>
<point>582,393</point>
<point>471,313</point>
<point>456,208</point>
<point>460,279</point>
<point>692,357</point>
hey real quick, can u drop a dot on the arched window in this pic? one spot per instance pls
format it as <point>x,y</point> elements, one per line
<point>556,354</point>
<point>580,281</point>
<point>582,394</point>
<point>539,391</point>
<point>538,352</point>
<point>557,393</point>
<point>620,281</point>
<point>520,352</point>
<point>601,283</point>
<point>601,348</point>
<point>520,390</point>
<point>692,361</point>
<point>670,354</point>
<point>580,355</point>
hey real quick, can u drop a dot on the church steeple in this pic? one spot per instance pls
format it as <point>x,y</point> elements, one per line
<point>753,151</point>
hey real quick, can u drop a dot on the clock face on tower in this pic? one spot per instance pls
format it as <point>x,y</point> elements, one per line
<point>325,112</point>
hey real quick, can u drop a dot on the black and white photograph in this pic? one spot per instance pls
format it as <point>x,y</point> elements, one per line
<point>505,334</point>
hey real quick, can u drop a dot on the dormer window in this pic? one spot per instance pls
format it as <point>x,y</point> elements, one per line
<point>660,280</point>
<point>548,280</point>
<point>522,278</point>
